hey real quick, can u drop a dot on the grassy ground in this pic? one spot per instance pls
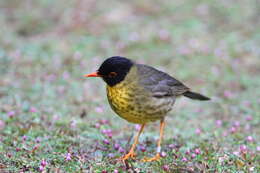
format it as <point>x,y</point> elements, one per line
<point>54,120</point>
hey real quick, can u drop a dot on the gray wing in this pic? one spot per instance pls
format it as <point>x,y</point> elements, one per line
<point>159,83</point>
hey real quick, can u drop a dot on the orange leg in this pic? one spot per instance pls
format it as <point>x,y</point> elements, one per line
<point>131,153</point>
<point>157,156</point>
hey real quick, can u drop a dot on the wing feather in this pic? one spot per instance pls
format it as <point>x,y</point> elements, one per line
<point>159,83</point>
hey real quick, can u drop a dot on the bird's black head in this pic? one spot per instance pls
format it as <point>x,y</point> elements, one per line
<point>114,69</point>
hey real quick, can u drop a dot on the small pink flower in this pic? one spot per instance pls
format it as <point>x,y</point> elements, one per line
<point>35,147</point>
<point>249,139</point>
<point>228,94</point>
<point>61,90</point>
<point>11,114</point>
<point>106,141</point>
<point>38,140</point>
<point>163,154</point>
<point>187,152</point>
<point>116,146</point>
<point>193,155</point>
<point>110,155</point>
<point>109,135</point>
<point>249,118</point>
<point>121,150</point>
<point>243,149</point>
<point>184,50</point>
<point>66,75</point>
<point>218,123</point>
<point>184,159</point>
<point>41,168</point>
<point>104,131</point>
<point>99,109</point>
<point>246,103</point>
<point>50,77</point>
<point>236,153</point>
<point>24,138</point>
<point>225,133</point>
<point>97,125</point>
<point>251,169</point>
<point>218,52</point>
<point>237,124</point>
<point>2,125</point>
<point>215,70</point>
<point>55,117</point>
<point>68,157</point>
<point>233,129</point>
<point>103,121</point>
<point>137,127</point>
<point>73,124</point>
<point>258,148</point>
<point>116,171</point>
<point>166,168</point>
<point>142,148</point>
<point>199,110</point>
<point>43,163</point>
<point>107,132</point>
<point>171,146</point>
<point>198,131</point>
<point>197,151</point>
<point>247,127</point>
<point>164,34</point>
<point>33,109</point>
<point>120,45</point>
<point>77,55</point>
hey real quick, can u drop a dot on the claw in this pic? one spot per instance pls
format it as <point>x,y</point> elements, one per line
<point>155,158</point>
<point>131,154</point>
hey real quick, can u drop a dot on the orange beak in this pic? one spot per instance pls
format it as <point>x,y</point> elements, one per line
<point>94,74</point>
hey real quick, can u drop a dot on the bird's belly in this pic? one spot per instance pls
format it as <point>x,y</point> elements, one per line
<point>138,109</point>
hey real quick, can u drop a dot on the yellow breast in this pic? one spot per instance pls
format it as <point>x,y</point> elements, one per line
<point>134,103</point>
<point>122,100</point>
<point>119,97</point>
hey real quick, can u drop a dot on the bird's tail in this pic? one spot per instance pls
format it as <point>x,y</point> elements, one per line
<point>195,96</point>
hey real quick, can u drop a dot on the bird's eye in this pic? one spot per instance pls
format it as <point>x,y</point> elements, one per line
<point>112,74</point>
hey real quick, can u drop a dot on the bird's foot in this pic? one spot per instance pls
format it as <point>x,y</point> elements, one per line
<point>131,154</point>
<point>155,158</point>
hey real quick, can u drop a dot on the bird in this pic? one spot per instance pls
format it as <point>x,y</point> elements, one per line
<point>141,94</point>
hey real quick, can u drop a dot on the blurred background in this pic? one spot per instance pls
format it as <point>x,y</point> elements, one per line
<point>47,46</point>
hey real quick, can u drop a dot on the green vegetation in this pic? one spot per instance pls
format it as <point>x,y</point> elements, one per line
<point>52,119</point>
